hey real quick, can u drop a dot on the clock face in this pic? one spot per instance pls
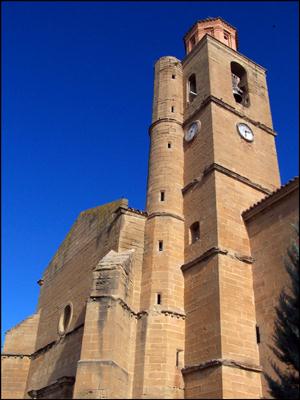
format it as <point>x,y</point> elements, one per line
<point>245,132</point>
<point>192,131</point>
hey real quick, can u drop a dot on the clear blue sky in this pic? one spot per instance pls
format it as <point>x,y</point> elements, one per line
<point>77,85</point>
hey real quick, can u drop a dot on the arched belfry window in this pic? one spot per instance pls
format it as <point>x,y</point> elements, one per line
<point>192,87</point>
<point>192,41</point>
<point>239,84</point>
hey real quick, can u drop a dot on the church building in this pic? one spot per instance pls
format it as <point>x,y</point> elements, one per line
<point>176,301</point>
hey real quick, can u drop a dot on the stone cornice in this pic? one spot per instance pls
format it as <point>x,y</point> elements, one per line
<point>220,168</point>
<point>138,314</point>
<point>235,175</point>
<point>63,381</point>
<point>221,362</point>
<point>129,210</point>
<point>226,106</point>
<point>165,214</point>
<point>103,362</point>
<point>15,355</point>
<point>213,251</point>
<point>173,120</point>
<point>43,349</point>
<point>269,201</point>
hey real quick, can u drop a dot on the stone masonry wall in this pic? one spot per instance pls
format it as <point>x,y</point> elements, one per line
<point>105,368</point>
<point>270,232</point>
<point>19,345</point>
<point>67,280</point>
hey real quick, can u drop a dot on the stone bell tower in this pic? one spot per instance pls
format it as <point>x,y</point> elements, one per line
<point>212,155</point>
<point>229,164</point>
<point>170,303</point>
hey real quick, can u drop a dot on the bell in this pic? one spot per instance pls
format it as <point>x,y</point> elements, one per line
<point>237,94</point>
<point>236,90</point>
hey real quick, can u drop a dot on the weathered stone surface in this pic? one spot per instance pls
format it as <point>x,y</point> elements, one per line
<point>155,311</point>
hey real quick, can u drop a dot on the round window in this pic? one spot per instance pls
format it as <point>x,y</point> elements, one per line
<point>65,319</point>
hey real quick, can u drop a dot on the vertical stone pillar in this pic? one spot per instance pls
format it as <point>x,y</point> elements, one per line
<point>104,368</point>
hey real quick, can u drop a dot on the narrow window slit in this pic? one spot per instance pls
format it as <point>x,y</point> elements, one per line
<point>194,232</point>
<point>257,334</point>
<point>169,145</point>
<point>172,109</point>
<point>160,245</point>
<point>158,298</point>
<point>179,358</point>
<point>162,196</point>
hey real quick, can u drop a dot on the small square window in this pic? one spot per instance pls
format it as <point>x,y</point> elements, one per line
<point>173,76</point>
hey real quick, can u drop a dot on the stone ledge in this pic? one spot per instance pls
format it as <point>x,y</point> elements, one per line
<point>16,355</point>
<point>221,362</point>
<point>226,171</point>
<point>109,363</point>
<point>274,197</point>
<point>173,314</point>
<point>130,211</point>
<point>63,381</point>
<point>138,314</point>
<point>47,347</point>
<point>173,120</point>
<point>214,251</point>
<point>212,99</point>
<point>165,214</point>
<point>204,256</point>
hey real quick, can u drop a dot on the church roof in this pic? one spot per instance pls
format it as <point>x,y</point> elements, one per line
<point>282,191</point>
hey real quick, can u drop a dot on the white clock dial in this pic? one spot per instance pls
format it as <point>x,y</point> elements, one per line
<point>192,130</point>
<point>245,132</point>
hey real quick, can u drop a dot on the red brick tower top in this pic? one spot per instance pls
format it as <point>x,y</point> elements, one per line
<point>216,27</point>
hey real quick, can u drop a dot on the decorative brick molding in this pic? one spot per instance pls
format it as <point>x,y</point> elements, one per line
<point>220,168</point>
<point>221,362</point>
<point>65,382</point>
